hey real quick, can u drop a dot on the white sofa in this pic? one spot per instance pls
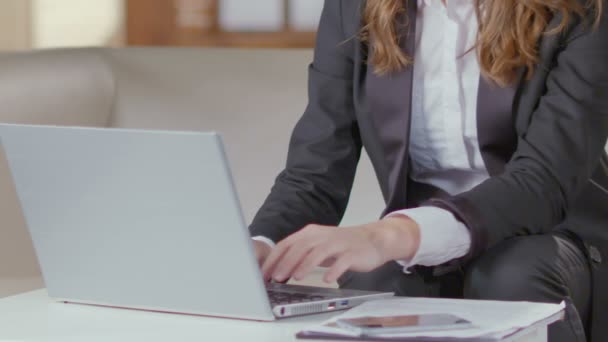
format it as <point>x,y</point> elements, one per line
<point>253,97</point>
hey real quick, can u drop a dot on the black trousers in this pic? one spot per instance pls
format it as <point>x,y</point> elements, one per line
<point>540,268</point>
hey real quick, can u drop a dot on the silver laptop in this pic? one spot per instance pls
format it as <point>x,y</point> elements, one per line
<point>146,220</point>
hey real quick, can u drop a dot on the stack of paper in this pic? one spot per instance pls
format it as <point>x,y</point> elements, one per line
<point>492,320</point>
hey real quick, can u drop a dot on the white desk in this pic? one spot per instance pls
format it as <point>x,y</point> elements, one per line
<point>33,316</point>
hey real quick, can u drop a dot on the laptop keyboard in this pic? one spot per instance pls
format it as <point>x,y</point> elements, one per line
<point>284,298</point>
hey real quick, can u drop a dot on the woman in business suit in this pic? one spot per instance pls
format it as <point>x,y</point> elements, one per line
<point>486,123</point>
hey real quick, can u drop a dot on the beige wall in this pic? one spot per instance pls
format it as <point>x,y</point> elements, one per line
<point>60,23</point>
<point>26,24</point>
<point>14,25</point>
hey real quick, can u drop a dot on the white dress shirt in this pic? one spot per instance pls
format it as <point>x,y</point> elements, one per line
<point>444,149</point>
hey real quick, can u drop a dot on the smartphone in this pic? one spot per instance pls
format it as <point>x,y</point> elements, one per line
<point>403,324</point>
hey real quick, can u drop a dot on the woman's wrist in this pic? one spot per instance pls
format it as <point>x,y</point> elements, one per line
<point>398,238</point>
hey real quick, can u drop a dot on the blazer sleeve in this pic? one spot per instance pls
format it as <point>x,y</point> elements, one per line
<point>325,144</point>
<point>557,151</point>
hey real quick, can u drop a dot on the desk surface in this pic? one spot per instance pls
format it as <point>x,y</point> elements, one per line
<point>32,316</point>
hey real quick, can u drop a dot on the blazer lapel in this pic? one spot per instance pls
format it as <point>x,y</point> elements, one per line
<point>498,107</point>
<point>389,101</point>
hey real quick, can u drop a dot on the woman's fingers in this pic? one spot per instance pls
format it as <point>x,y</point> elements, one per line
<point>288,253</point>
<point>316,257</point>
<point>273,259</point>
<point>313,246</point>
<point>342,264</point>
<point>290,260</point>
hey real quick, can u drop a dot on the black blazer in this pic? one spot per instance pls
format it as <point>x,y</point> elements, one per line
<point>542,141</point>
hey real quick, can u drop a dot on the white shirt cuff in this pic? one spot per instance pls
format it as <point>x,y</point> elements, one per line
<point>442,237</point>
<point>265,240</point>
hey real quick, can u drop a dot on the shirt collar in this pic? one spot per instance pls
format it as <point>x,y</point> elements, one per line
<point>452,6</point>
<point>422,3</point>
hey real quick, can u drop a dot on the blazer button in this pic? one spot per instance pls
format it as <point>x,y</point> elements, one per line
<point>595,254</point>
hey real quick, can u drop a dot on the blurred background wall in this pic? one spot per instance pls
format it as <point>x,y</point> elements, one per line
<point>30,24</point>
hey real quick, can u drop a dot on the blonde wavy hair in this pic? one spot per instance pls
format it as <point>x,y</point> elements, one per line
<point>509,32</point>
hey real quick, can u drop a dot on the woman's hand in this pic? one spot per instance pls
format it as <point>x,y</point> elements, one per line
<point>262,251</point>
<point>361,249</point>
